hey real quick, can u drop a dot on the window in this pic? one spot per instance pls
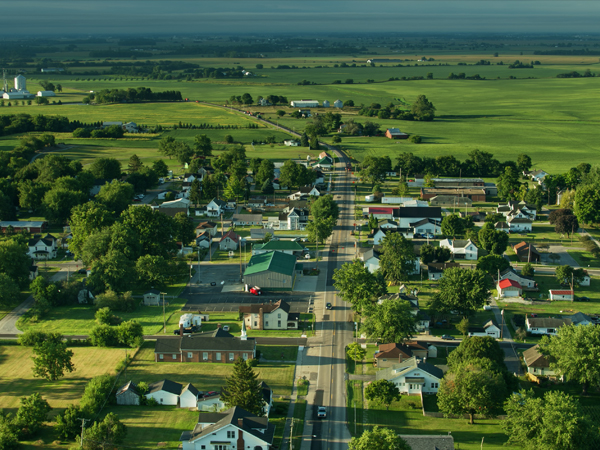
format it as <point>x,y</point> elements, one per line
<point>231,356</point>
<point>189,355</point>
<point>174,356</point>
<point>434,385</point>
<point>230,434</point>
<point>255,323</point>
<point>245,355</point>
<point>279,324</point>
<point>279,316</point>
<point>205,356</point>
<point>267,323</point>
<point>161,356</point>
<point>218,356</point>
<point>203,447</point>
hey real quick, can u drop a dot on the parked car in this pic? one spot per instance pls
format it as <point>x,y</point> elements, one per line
<point>255,290</point>
<point>582,299</point>
<point>417,235</point>
<point>328,305</point>
<point>225,327</point>
<point>82,271</point>
<point>430,236</point>
<point>321,412</point>
<point>447,337</point>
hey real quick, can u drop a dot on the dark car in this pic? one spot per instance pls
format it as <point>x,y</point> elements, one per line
<point>82,271</point>
<point>582,299</point>
<point>447,337</point>
<point>328,306</point>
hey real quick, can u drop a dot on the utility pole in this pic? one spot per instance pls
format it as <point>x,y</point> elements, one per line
<point>83,421</point>
<point>164,314</point>
<point>292,435</point>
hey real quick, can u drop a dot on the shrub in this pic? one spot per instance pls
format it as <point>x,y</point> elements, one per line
<point>96,394</point>
<point>415,139</point>
<point>131,334</point>
<point>104,336</point>
<point>252,362</point>
<point>32,337</point>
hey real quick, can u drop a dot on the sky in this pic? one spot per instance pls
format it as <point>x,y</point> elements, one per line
<point>87,17</point>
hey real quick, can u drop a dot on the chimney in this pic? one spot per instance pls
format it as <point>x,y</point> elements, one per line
<point>240,422</point>
<point>180,329</point>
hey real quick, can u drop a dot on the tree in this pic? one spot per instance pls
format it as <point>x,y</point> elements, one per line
<point>58,203</point>
<point>135,164</point>
<point>373,222</point>
<point>476,348</point>
<point>9,289</point>
<point>106,168</point>
<point>131,333</point>
<point>160,168</point>
<point>564,274</point>
<point>423,109</point>
<point>356,285</point>
<point>289,174</point>
<point>566,225</point>
<point>203,145</point>
<point>32,414</point>
<point>242,389</point>
<point>380,439</point>
<point>523,163</point>
<point>390,321</point>
<point>325,207</point>
<point>265,172</point>
<point>116,196</point>
<point>427,253</point>
<point>348,102</point>
<point>304,140</point>
<point>104,335</point>
<point>573,353</point>
<point>527,270</point>
<point>247,99</point>
<point>106,434</point>
<point>557,214</point>
<point>492,264</point>
<point>587,203</point>
<point>452,225</point>
<point>463,326</point>
<point>51,358</point>
<point>462,290</point>
<point>105,316</point>
<point>14,260</point>
<point>183,228</point>
<point>68,424</point>
<point>382,391</point>
<point>472,388</point>
<point>196,192</point>
<point>112,270</point>
<point>336,139</point>
<point>319,230</point>
<point>398,260</point>
<point>234,188</point>
<point>356,352</point>
<point>492,240</point>
<point>508,183</point>
<point>556,421</point>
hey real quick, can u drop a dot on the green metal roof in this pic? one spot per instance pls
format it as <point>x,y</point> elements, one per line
<point>280,245</point>
<point>272,261</point>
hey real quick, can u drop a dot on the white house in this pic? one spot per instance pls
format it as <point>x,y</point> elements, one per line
<point>509,288</point>
<point>561,294</point>
<point>371,260</point>
<point>234,428</point>
<point>215,207</point>
<point>586,280</point>
<point>230,241</point>
<point>489,329</point>
<point>203,240</point>
<point>42,247</point>
<point>435,271</point>
<point>537,364</point>
<point>413,376</point>
<point>210,227</point>
<point>307,191</point>
<point>427,226</point>
<point>580,319</point>
<point>537,175</point>
<point>291,143</point>
<point>460,248</point>
<point>512,205</point>
<point>408,216</point>
<point>524,282</point>
<point>388,225</point>
<point>519,225</point>
<point>165,392</point>
<point>189,396</point>
<point>545,325</point>
<point>131,127</point>
<point>210,402</point>
<point>380,233</point>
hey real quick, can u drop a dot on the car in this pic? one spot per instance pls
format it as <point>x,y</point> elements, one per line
<point>137,199</point>
<point>321,412</point>
<point>430,236</point>
<point>226,328</point>
<point>304,239</point>
<point>447,337</point>
<point>82,271</point>
<point>255,290</point>
<point>68,253</point>
<point>296,239</point>
<point>417,235</point>
<point>582,299</point>
<point>328,305</point>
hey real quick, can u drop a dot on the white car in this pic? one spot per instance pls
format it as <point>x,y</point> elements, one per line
<point>321,412</point>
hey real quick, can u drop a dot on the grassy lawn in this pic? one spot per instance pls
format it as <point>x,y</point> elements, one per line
<point>302,390</point>
<point>222,256</point>
<point>278,417</point>
<point>354,407</point>
<point>299,415</point>
<point>205,376</point>
<point>16,379</point>
<point>278,352</point>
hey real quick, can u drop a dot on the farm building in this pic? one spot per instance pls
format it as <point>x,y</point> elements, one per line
<point>304,103</point>
<point>338,104</point>
<point>46,94</point>
<point>457,182</point>
<point>271,270</point>
<point>476,195</point>
<point>326,104</point>
<point>22,225</point>
<point>395,133</point>
<point>450,201</point>
<point>128,394</point>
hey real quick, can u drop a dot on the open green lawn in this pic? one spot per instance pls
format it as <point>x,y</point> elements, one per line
<point>278,352</point>
<point>205,376</point>
<point>16,379</point>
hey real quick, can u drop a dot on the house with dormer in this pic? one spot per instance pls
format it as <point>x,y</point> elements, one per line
<point>215,207</point>
<point>42,247</point>
<point>413,376</point>
<point>521,209</point>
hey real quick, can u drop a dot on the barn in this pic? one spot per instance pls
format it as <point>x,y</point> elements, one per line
<point>271,270</point>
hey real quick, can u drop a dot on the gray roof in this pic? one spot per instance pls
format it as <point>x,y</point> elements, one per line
<point>547,322</point>
<point>258,427</point>
<point>579,317</point>
<point>190,387</point>
<point>130,386</point>
<point>429,442</point>
<point>412,363</point>
<point>165,385</point>
<point>216,340</point>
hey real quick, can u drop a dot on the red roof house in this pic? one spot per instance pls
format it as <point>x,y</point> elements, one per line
<point>509,288</point>
<point>229,241</point>
<point>557,294</point>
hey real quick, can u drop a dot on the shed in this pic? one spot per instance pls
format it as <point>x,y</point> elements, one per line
<point>271,270</point>
<point>326,104</point>
<point>152,297</point>
<point>128,394</point>
<point>338,104</point>
<point>46,94</point>
<point>395,133</point>
<point>557,294</point>
<point>189,396</point>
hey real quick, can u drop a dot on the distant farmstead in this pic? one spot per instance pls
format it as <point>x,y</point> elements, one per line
<point>304,103</point>
<point>395,133</point>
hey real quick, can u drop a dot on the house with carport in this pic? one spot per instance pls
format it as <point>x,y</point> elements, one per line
<point>489,329</point>
<point>413,376</point>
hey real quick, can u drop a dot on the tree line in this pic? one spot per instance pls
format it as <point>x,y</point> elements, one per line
<point>131,95</point>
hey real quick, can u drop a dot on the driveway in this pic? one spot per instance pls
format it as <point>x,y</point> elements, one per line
<point>565,258</point>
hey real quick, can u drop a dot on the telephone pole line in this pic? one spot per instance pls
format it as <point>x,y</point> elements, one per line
<point>83,421</point>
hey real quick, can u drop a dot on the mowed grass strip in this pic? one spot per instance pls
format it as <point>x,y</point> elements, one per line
<point>16,379</point>
<point>205,376</point>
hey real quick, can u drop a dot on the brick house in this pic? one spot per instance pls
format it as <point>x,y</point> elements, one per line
<point>269,316</point>
<point>212,346</point>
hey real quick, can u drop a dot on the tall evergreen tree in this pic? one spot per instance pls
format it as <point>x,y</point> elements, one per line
<point>242,389</point>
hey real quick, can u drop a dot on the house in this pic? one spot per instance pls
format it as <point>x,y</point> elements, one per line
<point>247,219</point>
<point>489,329</point>
<point>189,396</point>
<point>407,216</point>
<point>413,376</point>
<point>460,248</point>
<point>231,204</point>
<point>388,225</point>
<point>378,212</point>
<point>42,247</point>
<point>323,163</point>
<point>526,252</point>
<point>389,354</point>
<point>203,240</point>
<point>165,392</point>
<point>536,175</point>
<point>509,288</point>
<point>545,325</point>
<point>525,282</point>
<point>502,226</point>
<point>152,298</point>
<point>306,191</point>
<point>427,227</point>
<point>297,218</point>
<point>338,104</point>
<point>259,233</point>
<point>235,428</point>
<point>258,201</point>
<point>215,207</point>
<point>22,225</point>
<point>288,247</point>
<point>210,402</point>
<point>519,225</point>
<point>371,260</point>
<point>586,280</point>
<point>269,316</point>
<point>395,133</point>
<point>271,270</point>
<point>128,394</point>
<point>580,318</point>
<point>131,127</point>
<point>561,294</point>
<point>537,364</point>
<point>291,143</point>
<point>525,210</point>
<point>210,227</point>
<point>230,241</point>
<point>436,270</point>
<point>429,442</point>
<point>217,346</point>
<point>180,204</point>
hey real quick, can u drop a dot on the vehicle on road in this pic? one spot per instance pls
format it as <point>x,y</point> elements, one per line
<point>255,290</point>
<point>328,305</point>
<point>321,412</point>
<point>447,337</point>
